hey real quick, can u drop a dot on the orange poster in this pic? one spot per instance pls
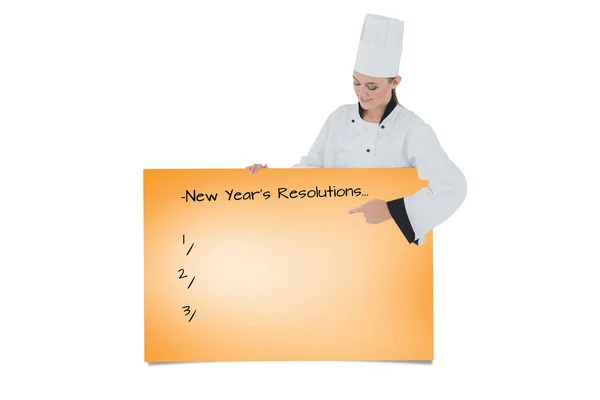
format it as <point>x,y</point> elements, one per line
<point>271,267</point>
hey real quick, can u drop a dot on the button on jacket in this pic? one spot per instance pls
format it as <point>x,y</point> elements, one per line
<point>400,140</point>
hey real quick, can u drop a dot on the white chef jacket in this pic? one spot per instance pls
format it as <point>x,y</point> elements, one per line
<point>400,140</point>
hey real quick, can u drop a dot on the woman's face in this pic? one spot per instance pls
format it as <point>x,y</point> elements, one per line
<point>373,92</point>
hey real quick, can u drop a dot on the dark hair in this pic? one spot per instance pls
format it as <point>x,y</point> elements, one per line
<point>394,93</point>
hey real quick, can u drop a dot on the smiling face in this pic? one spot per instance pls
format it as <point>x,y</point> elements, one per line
<point>373,92</point>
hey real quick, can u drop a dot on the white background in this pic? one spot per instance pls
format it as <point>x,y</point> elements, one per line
<point>93,92</point>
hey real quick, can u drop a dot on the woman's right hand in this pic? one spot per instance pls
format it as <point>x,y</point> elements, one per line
<point>256,167</point>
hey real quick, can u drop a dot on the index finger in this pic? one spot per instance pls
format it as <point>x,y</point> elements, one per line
<point>355,210</point>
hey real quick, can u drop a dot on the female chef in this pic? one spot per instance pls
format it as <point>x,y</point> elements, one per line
<point>378,132</point>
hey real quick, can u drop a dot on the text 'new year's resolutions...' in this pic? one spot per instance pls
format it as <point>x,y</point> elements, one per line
<point>281,193</point>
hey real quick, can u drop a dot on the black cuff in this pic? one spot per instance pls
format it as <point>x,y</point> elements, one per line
<point>398,213</point>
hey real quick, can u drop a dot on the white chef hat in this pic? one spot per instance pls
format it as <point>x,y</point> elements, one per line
<point>380,47</point>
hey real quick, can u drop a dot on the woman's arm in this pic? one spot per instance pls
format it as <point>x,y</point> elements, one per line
<point>316,154</point>
<point>430,206</point>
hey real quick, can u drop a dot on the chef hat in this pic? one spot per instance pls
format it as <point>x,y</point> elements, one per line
<point>380,47</point>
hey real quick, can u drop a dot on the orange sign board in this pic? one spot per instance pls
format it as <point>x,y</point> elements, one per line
<point>271,267</point>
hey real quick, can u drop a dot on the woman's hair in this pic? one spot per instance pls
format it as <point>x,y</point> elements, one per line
<point>394,93</point>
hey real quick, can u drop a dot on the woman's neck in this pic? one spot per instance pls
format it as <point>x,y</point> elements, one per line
<point>374,115</point>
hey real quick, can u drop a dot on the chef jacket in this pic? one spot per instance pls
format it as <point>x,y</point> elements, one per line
<point>400,140</point>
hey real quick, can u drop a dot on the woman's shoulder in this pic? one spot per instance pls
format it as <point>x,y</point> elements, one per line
<point>406,112</point>
<point>407,118</point>
<point>344,109</point>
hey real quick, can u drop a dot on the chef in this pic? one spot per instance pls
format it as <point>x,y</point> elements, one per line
<point>378,132</point>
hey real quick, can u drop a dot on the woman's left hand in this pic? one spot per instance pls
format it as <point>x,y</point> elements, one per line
<point>375,211</point>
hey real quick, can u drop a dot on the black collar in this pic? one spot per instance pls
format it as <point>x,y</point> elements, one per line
<point>388,109</point>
